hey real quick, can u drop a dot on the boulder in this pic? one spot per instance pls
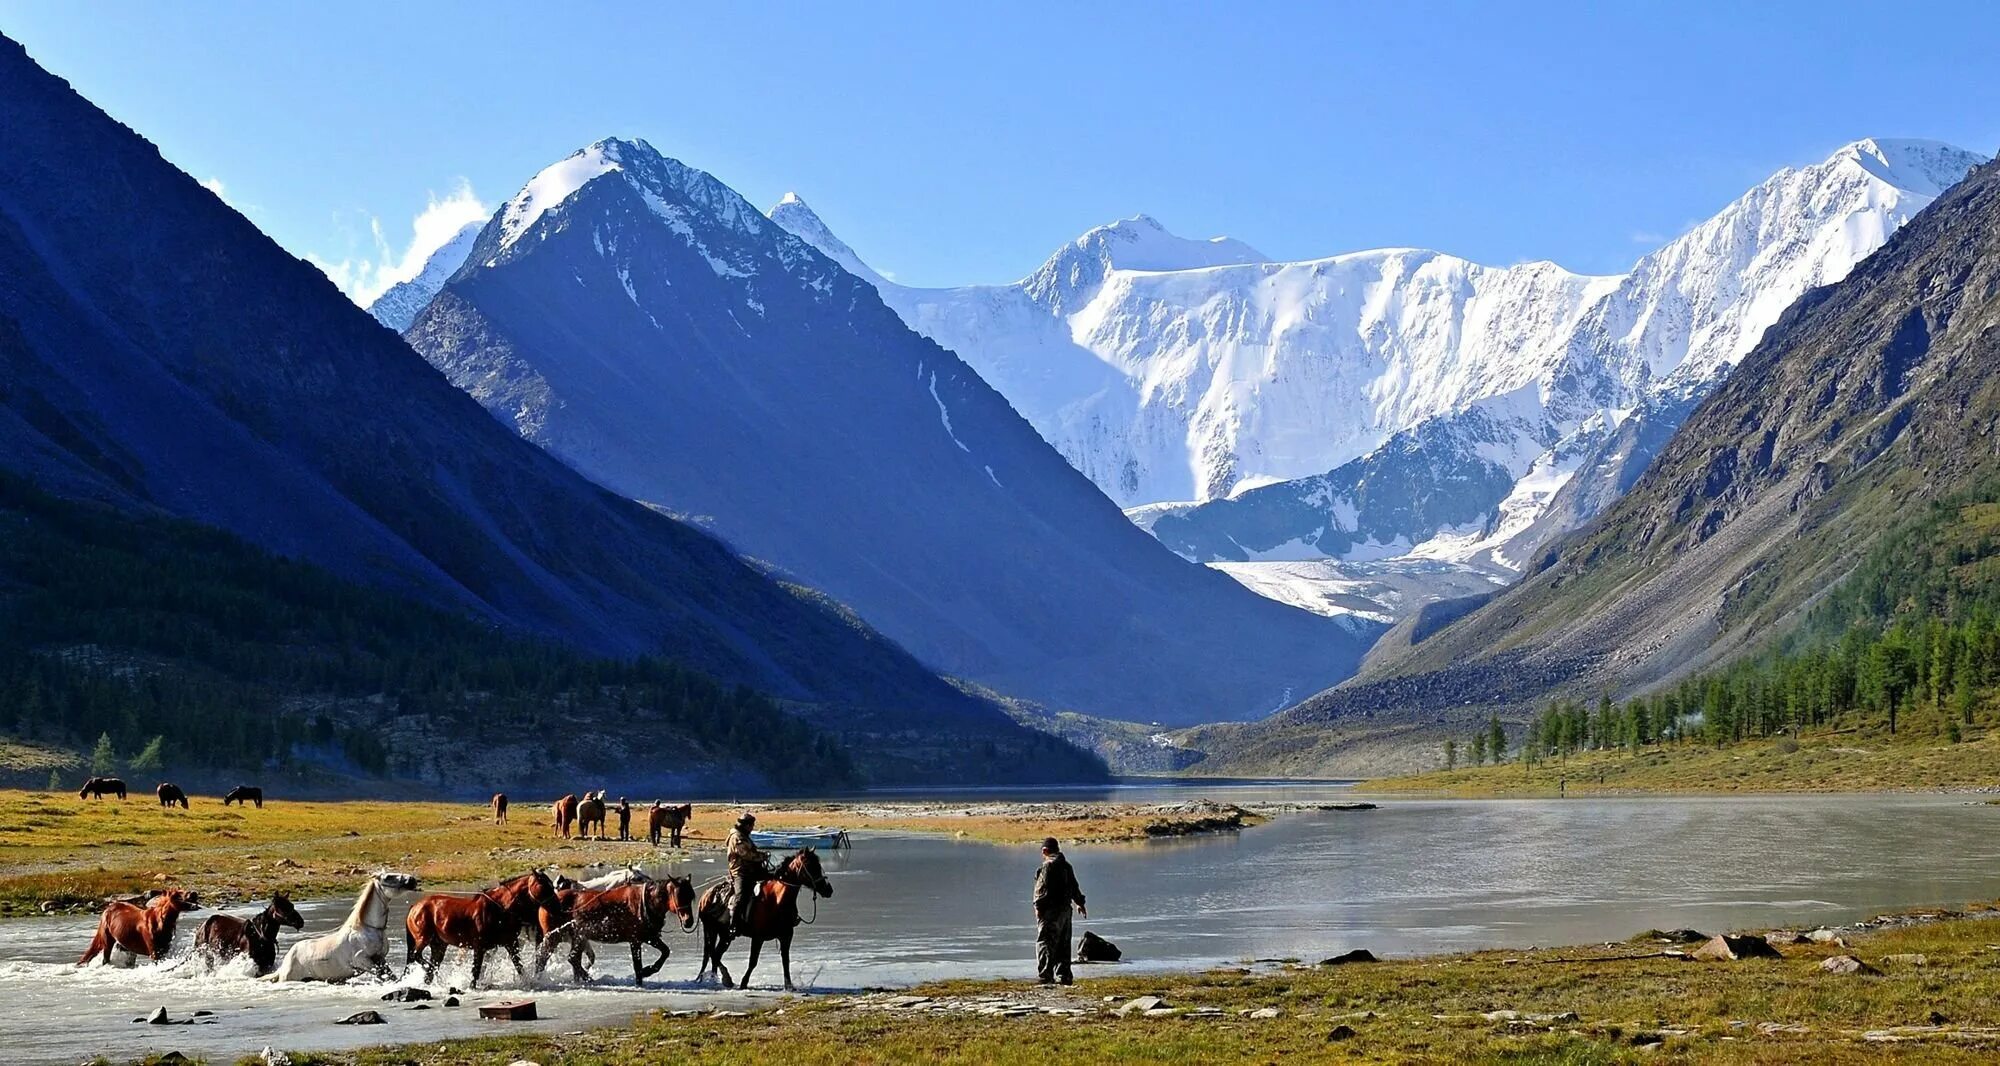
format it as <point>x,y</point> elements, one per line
<point>1345,957</point>
<point>405,995</point>
<point>1848,964</point>
<point>1094,948</point>
<point>1339,1033</point>
<point>1825,936</point>
<point>158,1017</point>
<point>363,1017</point>
<point>1727,948</point>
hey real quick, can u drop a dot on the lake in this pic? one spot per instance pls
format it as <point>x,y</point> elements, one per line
<point>1415,876</point>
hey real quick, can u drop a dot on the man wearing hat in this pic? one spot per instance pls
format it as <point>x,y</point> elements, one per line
<point>1055,891</point>
<point>747,866</point>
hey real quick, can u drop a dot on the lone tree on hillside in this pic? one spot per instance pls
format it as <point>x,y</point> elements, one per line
<point>103,757</point>
<point>1496,738</point>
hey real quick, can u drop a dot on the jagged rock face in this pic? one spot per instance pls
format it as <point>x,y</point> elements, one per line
<point>160,354</point>
<point>1866,399</point>
<point>1178,376</point>
<point>640,320</point>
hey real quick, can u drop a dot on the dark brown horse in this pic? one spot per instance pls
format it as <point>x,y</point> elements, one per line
<point>96,787</point>
<point>631,914</point>
<point>565,812</point>
<point>171,795</point>
<point>495,918</point>
<point>773,916</point>
<point>147,930</point>
<point>590,812</point>
<point>671,819</point>
<point>500,808</point>
<point>244,794</point>
<point>224,936</point>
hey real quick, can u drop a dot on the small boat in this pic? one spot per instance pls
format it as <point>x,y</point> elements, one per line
<point>818,836</point>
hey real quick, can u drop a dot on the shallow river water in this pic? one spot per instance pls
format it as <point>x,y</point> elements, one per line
<point>1414,876</point>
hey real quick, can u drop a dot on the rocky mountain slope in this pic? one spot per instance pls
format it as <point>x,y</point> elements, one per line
<point>1865,400</point>
<point>643,322</point>
<point>159,354</point>
<point>1397,402</point>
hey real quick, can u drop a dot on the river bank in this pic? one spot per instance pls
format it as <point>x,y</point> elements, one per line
<point>1850,760</point>
<point>1929,991</point>
<point>64,854</point>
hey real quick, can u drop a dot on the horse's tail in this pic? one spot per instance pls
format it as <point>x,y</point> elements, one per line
<point>99,944</point>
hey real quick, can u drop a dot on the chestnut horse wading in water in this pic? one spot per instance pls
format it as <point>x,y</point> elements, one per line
<point>773,916</point>
<point>96,787</point>
<point>224,936</point>
<point>136,931</point>
<point>632,914</point>
<point>495,918</point>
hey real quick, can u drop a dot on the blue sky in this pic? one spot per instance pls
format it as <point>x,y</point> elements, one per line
<point>951,143</point>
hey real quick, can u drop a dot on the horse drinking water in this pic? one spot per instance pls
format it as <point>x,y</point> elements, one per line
<point>126,931</point>
<point>224,936</point>
<point>773,915</point>
<point>360,945</point>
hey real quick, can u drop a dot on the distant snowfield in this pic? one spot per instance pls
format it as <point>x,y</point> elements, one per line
<point>1379,591</point>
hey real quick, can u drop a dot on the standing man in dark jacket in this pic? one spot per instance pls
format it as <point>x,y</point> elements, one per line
<point>1056,891</point>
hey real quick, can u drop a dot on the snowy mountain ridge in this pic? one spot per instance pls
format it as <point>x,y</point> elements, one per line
<point>399,304</point>
<point>1281,403</point>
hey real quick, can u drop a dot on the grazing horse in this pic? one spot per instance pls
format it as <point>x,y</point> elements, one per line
<point>360,945</point>
<point>244,794</point>
<point>589,812</point>
<point>500,808</point>
<point>565,812</point>
<point>632,914</point>
<point>492,919</point>
<point>171,795</point>
<point>126,931</point>
<point>773,915</point>
<point>672,819</point>
<point>96,787</point>
<point>225,936</point>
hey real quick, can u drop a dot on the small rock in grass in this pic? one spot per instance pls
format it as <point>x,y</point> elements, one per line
<point>524,1062</point>
<point>1726,948</point>
<point>273,1057</point>
<point>1907,959</point>
<point>1345,957</point>
<point>1339,1033</point>
<point>1848,964</point>
<point>1161,1012</point>
<point>1141,1005</point>
<point>1265,1013</point>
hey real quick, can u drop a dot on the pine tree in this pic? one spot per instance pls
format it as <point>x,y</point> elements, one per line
<point>148,761</point>
<point>1496,739</point>
<point>1451,754</point>
<point>1479,748</point>
<point>103,757</point>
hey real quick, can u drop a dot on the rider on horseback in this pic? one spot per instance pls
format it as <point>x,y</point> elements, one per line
<point>748,865</point>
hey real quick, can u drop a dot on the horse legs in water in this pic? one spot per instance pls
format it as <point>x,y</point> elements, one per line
<point>756,947</point>
<point>713,943</point>
<point>478,964</point>
<point>785,956</point>
<point>436,959</point>
<point>641,972</point>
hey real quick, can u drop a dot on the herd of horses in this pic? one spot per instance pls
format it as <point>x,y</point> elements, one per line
<point>578,816</point>
<point>170,794</point>
<point>548,910</point>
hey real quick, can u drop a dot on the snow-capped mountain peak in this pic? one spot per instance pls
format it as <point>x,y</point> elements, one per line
<point>398,305</point>
<point>1067,279</point>
<point>798,218</point>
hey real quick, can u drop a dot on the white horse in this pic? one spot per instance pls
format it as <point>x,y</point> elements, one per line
<point>360,945</point>
<point>630,875</point>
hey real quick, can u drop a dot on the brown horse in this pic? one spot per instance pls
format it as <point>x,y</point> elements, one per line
<point>631,914</point>
<point>565,812</point>
<point>590,812</point>
<point>147,930</point>
<point>96,787</point>
<point>495,918</point>
<point>171,795</point>
<point>773,916</point>
<point>224,936</point>
<point>245,794</point>
<point>671,819</point>
<point>500,808</point>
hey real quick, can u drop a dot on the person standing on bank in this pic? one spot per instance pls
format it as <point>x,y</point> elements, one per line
<point>1056,891</point>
